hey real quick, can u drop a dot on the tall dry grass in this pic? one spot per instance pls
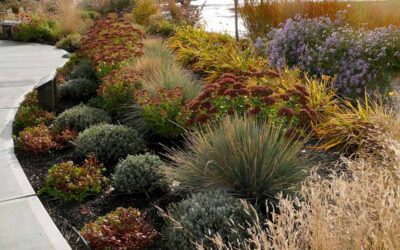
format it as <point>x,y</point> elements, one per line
<point>374,14</point>
<point>261,15</point>
<point>160,70</point>
<point>69,16</point>
<point>360,210</point>
<point>355,209</point>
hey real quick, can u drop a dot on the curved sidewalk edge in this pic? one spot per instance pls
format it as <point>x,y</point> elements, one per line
<point>24,222</point>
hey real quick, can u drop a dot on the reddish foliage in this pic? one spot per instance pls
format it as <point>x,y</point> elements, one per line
<point>65,138</point>
<point>36,140</point>
<point>120,229</point>
<point>123,75</point>
<point>165,112</point>
<point>111,41</point>
<point>70,182</point>
<point>40,139</point>
<point>231,95</point>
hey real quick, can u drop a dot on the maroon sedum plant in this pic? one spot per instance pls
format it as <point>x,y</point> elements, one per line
<point>124,228</point>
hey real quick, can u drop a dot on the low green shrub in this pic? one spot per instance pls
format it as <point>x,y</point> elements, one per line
<point>139,174</point>
<point>204,215</point>
<point>246,156</point>
<point>39,29</point>
<point>159,69</point>
<point>84,70</point>
<point>78,89</point>
<point>124,228</point>
<point>69,182</point>
<point>70,43</point>
<point>109,142</point>
<point>80,117</point>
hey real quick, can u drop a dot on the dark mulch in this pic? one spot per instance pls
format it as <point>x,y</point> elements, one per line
<point>70,217</point>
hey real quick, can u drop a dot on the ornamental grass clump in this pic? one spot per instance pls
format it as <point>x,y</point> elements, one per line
<point>215,54</point>
<point>159,70</point>
<point>356,126</point>
<point>188,43</point>
<point>165,89</point>
<point>124,228</point>
<point>253,159</point>
<point>109,142</point>
<point>260,16</point>
<point>359,58</point>
<point>80,118</point>
<point>360,210</point>
<point>139,174</point>
<point>72,183</point>
<point>200,217</point>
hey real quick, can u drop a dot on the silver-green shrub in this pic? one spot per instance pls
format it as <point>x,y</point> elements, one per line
<point>109,142</point>
<point>139,174</point>
<point>80,118</point>
<point>78,89</point>
<point>204,215</point>
<point>84,70</point>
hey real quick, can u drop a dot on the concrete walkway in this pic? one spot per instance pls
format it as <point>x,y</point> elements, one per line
<point>24,223</point>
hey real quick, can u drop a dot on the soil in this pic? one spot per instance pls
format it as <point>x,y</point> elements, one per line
<point>70,217</point>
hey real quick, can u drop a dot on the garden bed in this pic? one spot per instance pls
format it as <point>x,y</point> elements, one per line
<point>70,217</point>
<point>157,138</point>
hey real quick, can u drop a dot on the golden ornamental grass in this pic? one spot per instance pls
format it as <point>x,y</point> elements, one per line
<point>360,210</point>
<point>262,15</point>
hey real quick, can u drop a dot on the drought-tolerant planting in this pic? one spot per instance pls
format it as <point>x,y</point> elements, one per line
<point>203,215</point>
<point>167,136</point>
<point>358,58</point>
<point>109,142</point>
<point>80,118</point>
<point>123,228</point>
<point>140,174</point>
<point>70,182</point>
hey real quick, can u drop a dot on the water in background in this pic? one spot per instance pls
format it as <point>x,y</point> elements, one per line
<point>219,16</point>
